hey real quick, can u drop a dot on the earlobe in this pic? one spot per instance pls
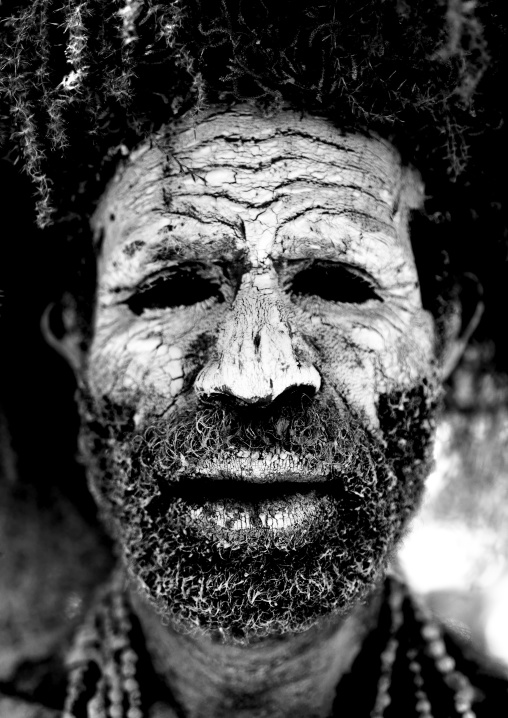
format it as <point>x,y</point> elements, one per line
<point>461,323</point>
<point>60,329</point>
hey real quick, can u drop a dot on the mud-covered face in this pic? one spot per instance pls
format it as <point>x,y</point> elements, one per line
<point>259,393</point>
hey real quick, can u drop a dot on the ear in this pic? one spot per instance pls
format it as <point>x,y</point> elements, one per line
<point>460,322</point>
<point>60,328</point>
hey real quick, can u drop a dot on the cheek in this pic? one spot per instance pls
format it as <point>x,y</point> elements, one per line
<point>365,358</point>
<point>146,364</point>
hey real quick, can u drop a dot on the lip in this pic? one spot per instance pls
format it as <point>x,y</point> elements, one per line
<point>263,467</point>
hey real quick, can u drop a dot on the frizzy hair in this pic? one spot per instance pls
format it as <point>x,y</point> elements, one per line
<point>85,81</point>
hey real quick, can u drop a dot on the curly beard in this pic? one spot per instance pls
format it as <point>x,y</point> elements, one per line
<point>258,580</point>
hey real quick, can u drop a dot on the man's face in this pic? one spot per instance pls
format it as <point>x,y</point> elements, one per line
<point>258,396</point>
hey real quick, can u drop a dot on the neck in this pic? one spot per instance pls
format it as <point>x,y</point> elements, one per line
<point>288,676</point>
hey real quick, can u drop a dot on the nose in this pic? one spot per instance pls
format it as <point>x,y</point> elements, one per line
<point>256,360</point>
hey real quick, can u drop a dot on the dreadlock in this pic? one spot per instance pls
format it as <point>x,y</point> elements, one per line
<point>83,82</point>
<point>83,79</point>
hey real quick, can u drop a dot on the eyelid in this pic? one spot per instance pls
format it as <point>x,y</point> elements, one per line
<point>334,282</point>
<point>161,273</point>
<point>298,265</point>
<point>183,284</point>
<point>362,273</point>
<point>132,286</point>
<point>207,271</point>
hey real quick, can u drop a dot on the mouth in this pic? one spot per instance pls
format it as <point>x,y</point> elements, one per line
<point>234,497</point>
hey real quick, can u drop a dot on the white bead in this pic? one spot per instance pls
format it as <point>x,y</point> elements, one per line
<point>437,648</point>
<point>423,706</point>
<point>430,631</point>
<point>445,664</point>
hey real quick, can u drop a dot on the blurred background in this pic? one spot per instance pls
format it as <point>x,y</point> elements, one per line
<point>456,554</point>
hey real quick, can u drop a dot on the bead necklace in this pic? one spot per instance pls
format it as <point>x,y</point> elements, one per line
<point>389,653</point>
<point>425,643</point>
<point>103,664</point>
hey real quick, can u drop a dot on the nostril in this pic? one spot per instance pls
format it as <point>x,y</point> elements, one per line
<point>297,395</point>
<point>228,398</point>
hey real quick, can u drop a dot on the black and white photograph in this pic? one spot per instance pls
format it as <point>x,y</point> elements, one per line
<point>253,359</point>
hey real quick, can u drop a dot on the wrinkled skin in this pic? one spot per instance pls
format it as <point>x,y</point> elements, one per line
<point>255,275</point>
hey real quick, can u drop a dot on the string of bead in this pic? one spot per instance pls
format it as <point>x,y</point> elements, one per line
<point>389,654</point>
<point>96,707</point>
<point>103,643</point>
<point>103,664</point>
<point>422,703</point>
<point>83,656</point>
<point>114,643</point>
<point>435,649</point>
<point>128,657</point>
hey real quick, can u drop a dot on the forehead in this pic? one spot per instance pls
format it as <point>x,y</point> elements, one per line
<point>237,181</point>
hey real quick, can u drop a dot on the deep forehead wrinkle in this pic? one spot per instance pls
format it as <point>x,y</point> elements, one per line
<point>233,171</point>
<point>263,163</point>
<point>286,138</point>
<point>217,125</point>
<point>272,154</point>
<point>277,167</point>
<point>227,205</point>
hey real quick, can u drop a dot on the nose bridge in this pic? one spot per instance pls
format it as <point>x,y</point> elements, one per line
<point>256,360</point>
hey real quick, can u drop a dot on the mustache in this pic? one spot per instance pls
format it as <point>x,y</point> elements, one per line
<point>319,432</point>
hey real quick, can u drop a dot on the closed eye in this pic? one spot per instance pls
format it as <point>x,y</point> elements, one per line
<point>334,282</point>
<point>181,285</point>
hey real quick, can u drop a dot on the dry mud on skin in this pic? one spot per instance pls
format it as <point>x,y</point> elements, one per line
<point>247,205</point>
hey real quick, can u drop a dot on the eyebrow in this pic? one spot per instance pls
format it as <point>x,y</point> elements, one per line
<point>223,242</point>
<point>217,233</point>
<point>162,253</point>
<point>369,223</point>
<point>164,246</point>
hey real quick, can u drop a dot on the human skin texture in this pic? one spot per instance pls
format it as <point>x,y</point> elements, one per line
<point>265,197</point>
<point>259,392</point>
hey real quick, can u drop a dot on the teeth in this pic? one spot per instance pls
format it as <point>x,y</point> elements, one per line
<point>278,521</point>
<point>244,520</point>
<point>241,524</point>
<point>236,516</point>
